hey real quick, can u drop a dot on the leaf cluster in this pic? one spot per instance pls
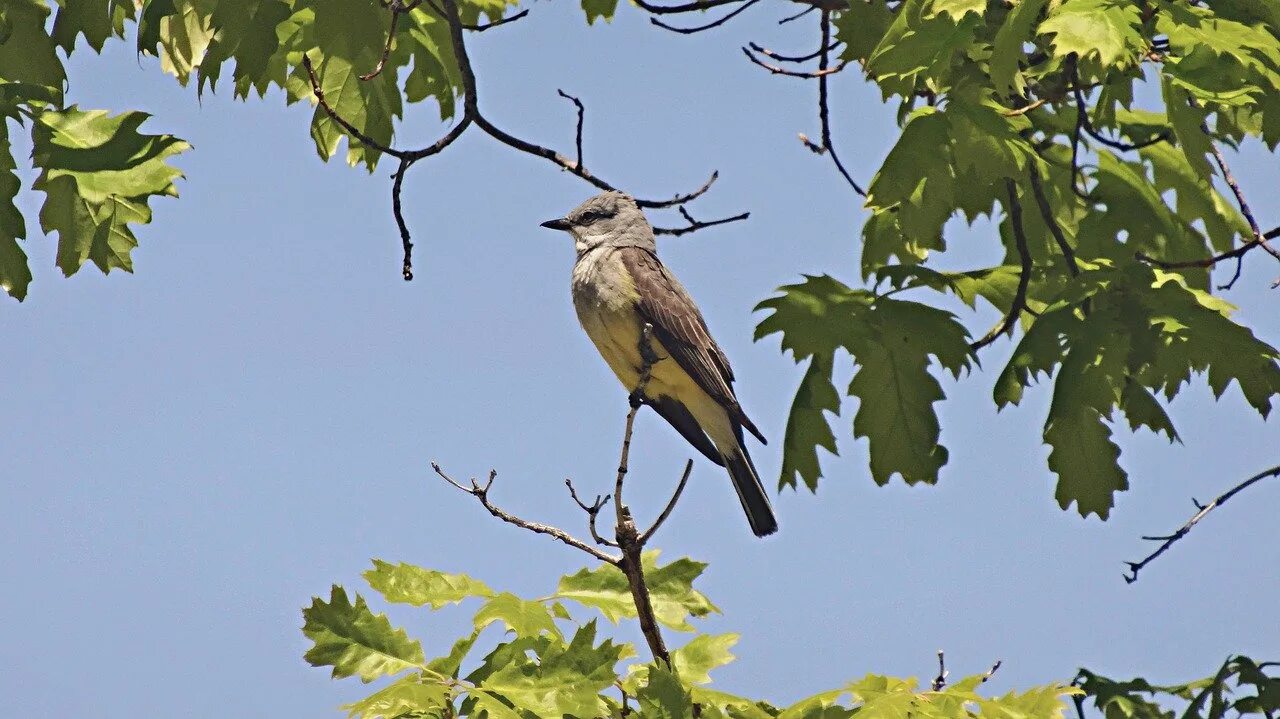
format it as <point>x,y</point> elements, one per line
<point>548,662</point>
<point>1110,213</point>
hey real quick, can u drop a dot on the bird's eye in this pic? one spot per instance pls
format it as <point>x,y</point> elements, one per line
<point>587,218</point>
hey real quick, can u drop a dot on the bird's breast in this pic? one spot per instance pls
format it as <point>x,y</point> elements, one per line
<point>605,298</point>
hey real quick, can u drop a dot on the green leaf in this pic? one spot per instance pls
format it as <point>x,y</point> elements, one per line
<point>664,697</point>
<point>599,9</point>
<point>1085,460</point>
<point>1104,34</point>
<point>15,275</point>
<point>29,64</point>
<point>524,617</point>
<point>670,590</point>
<point>411,695</point>
<point>565,681</point>
<point>355,641</point>
<point>1006,50</point>
<point>98,173</point>
<point>700,655</point>
<point>895,389</point>
<point>409,584</point>
<point>807,426</point>
<point>812,316</point>
<point>451,663</point>
<point>957,9</point>
<point>97,20</point>
<point>861,28</point>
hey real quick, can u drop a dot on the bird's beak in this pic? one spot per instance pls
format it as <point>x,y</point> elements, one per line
<point>557,224</point>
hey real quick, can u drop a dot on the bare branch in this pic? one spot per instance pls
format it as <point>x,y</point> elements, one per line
<point>695,225</point>
<point>708,26</point>
<point>1083,122</point>
<point>992,671</point>
<point>821,72</point>
<point>482,494</point>
<point>682,199</point>
<point>685,7</point>
<point>1237,254</point>
<point>582,115</point>
<point>671,504</point>
<point>396,9</point>
<point>1204,509</point>
<point>1230,179</point>
<point>791,58</point>
<point>593,511</point>
<point>940,681</point>
<point>476,28</point>
<point>797,16</point>
<point>1024,277</point>
<point>824,115</point>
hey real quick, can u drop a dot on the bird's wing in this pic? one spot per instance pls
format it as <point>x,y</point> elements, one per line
<point>679,326</point>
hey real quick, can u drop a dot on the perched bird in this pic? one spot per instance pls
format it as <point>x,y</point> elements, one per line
<point>619,286</point>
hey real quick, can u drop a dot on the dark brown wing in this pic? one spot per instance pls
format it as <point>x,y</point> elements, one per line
<point>679,326</point>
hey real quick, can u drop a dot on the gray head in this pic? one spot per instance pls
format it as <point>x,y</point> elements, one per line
<point>610,219</point>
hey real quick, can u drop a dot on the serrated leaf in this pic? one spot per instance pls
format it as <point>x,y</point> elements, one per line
<point>595,9</point>
<point>565,681</point>
<point>694,661</point>
<point>807,426</point>
<point>412,695</point>
<point>29,64</point>
<point>97,20</point>
<point>957,9</point>
<point>895,389</point>
<point>98,173</point>
<point>670,590</point>
<point>861,28</point>
<point>1006,49</point>
<point>355,641</point>
<point>526,618</point>
<point>1104,34</point>
<point>451,663</point>
<point>409,584</point>
<point>812,316</point>
<point>664,697</point>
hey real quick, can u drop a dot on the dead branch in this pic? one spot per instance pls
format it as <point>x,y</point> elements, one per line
<point>700,28</point>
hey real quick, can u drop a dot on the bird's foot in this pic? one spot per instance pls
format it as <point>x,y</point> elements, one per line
<point>636,400</point>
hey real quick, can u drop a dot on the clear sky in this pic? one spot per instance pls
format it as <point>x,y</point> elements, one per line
<point>190,453</point>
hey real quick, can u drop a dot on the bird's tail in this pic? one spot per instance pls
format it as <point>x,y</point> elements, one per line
<point>755,502</point>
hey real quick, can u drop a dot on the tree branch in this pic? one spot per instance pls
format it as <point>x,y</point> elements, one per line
<point>824,115</point>
<point>582,115</point>
<point>695,225</point>
<point>791,58</point>
<point>1230,179</point>
<point>1236,254</point>
<point>1204,510</point>
<point>685,7</point>
<point>708,26</point>
<point>593,511</point>
<point>1024,277</point>
<point>821,72</point>
<point>671,504</point>
<point>1046,213</point>
<point>482,494</point>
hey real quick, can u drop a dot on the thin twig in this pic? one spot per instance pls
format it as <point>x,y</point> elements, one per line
<point>695,225</point>
<point>342,122</point>
<point>593,511</point>
<point>406,240</point>
<point>992,671</point>
<point>477,28</point>
<point>791,58</point>
<point>1204,509</point>
<point>582,115</point>
<point>1024,276</point>
<point>1046,213</point>
<point>1230,179</point>
<point>686,7</point>
<point>708,26</point>
<point>797,16</point>
<point>1087,125</point>
<point>637,400</point>
<point>822,72</point>
<point>482,494</point>
<point>940,681</point>
<point>1237,254</point>
<point>824,114</point>
<point>1025,108</point>
<point>396,9</point>
<point>671,504</point>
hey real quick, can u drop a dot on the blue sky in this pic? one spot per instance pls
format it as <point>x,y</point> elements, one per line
<point>193,451</point>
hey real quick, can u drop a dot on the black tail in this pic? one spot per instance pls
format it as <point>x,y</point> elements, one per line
<point>755,502</point>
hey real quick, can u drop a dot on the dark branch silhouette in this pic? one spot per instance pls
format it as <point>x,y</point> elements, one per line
<point>1169,540</point>
<point>708,26</point>
<point>1024,276</point>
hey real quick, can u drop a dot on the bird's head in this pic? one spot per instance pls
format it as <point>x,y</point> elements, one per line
<point>609,219</point>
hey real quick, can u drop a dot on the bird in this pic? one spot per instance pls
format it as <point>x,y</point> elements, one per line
<point>620,287</point>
